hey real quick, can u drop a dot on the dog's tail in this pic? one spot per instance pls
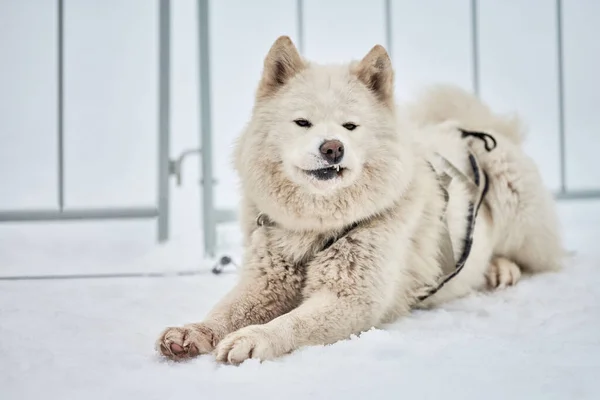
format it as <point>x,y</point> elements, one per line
<point>441,103</point>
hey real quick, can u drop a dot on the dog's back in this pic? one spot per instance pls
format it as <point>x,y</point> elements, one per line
<point>441,103</point>
<point>521,207</point>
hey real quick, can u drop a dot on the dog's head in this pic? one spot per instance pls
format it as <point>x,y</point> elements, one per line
<point>323,148</point>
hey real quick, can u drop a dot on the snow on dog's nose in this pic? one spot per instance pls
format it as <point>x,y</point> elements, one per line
<point>332,151</point>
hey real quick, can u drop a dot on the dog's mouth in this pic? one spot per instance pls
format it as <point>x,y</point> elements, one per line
<point>325,174</point>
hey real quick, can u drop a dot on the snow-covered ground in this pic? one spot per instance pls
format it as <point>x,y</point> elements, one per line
<point>93,338</point>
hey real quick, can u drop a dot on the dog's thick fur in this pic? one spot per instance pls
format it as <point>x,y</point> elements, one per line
<point>291,292</point>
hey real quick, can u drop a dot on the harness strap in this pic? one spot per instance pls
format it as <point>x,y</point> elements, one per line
<point>263,220</point>
<point>446,251</point>
<point>450,268</point>
<point>478,191</point>
<point>483,137</point>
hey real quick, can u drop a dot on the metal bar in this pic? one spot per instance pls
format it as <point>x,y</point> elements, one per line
<point>388,26</point>
<point>222,215</point>
<point>300,25</point>
<point>65,215</point>
<point>475,45</point>
<point>104,276</point>
<point>206,168</point>
<point>561,101</point>
<point>60,104</point>
<point>578,195</point>
<point>164,102</point>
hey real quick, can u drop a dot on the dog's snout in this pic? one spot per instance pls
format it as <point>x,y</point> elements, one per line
<point>332,151</point>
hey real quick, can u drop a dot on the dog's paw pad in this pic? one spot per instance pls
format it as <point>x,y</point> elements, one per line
<point>180,343</point>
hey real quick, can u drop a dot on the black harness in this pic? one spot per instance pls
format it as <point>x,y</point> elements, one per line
<point>263,220</point>
<point>479,183</point>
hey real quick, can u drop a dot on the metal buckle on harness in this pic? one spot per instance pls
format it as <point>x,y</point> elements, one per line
<point>263,220</point>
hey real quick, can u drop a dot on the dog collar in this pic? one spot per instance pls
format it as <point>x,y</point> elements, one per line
<point>262,220</point>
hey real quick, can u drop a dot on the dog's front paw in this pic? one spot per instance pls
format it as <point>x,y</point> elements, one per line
<point>502,273</point>
<point>250,342</point>
<point>186,342</point>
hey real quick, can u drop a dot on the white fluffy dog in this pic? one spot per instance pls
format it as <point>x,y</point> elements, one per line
<point>355,212</point>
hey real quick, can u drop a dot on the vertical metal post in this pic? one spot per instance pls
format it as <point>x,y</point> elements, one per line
<point>164,95</point>
<point>300,25</point>
<point>388,27</point>
<point>475,45</point>
<point>561,99</point>
<point>60,104</point>
<point>206,167</point>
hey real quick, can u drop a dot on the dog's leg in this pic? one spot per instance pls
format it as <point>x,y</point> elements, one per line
<point>268,288</point>
<point>347,292</point>
<point>523,210</point>
<point>502,272</point>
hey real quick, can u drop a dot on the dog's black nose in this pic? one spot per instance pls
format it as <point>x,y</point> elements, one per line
<point>332,151</point>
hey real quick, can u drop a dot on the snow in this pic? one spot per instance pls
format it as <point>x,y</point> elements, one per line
<point>93,338</point>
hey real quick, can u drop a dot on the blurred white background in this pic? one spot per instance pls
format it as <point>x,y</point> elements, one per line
<point>111,66</point>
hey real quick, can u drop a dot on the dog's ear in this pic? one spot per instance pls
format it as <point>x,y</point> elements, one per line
<point>376,72</point>
<point>281,64</point>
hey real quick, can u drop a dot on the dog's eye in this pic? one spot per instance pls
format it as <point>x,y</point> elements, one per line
<point>303,123</point>
<point>350,126</point>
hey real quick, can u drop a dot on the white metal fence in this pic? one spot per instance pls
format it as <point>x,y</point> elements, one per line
<point>212,216</point>
<point>161,210</point>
